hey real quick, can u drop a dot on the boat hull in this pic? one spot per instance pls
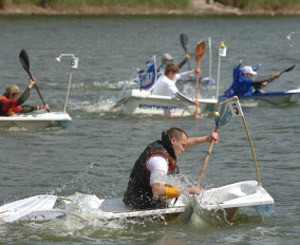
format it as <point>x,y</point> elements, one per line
<point>37,121</point>
<point>142,102</point>
<point>223,201</point>
<point>271,99</point>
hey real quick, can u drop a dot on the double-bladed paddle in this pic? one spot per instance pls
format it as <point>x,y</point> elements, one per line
<point>200,50</point>
<point>24,59</point>
<point>286,70</point>
<point>184,43</point>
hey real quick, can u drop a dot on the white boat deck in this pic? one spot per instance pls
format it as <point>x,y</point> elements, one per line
<point>35,121</point>
<point>233,196</point>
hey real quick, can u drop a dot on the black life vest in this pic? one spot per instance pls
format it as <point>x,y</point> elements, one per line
<point>139,193</point>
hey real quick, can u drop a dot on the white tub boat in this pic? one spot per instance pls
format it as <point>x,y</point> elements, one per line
<point>226,199</point>
<point>143,102</point>
<point>35,121</point>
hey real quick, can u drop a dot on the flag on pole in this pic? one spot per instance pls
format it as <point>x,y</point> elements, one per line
<point>236,108</point>
<point>148,76</point>
<point>222,50</point>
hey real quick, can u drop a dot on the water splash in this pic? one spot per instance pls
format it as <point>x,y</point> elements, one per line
<point>290,36</point>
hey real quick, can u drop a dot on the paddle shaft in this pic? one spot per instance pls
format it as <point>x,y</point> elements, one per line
<point>200,50</point>
<point>252,151</point>
<point>25,63</point>
<point>197,89</point>
<point>37,89</point>
<point>211,145</point>
<point>280,73</point>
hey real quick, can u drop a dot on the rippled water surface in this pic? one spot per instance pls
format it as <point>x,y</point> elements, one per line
<point>96,153</point>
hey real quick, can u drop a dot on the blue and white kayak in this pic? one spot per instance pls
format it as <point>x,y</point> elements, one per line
<point>279,98</point>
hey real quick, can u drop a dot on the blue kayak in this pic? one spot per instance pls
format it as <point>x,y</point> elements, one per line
<point>279,98</point>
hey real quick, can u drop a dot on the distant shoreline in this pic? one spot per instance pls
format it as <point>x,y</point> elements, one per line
<point>198,11</point>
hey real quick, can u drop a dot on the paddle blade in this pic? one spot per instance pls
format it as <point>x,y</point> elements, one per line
<point>184,41</point>
<point>288,69</point>
<point>24,59</point>
<point>200,50</point>
<point>225,114</point>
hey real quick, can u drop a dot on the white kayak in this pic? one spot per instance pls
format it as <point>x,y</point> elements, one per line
<point>143,102</point>
<point>227,198</point>
<point>34,121</point>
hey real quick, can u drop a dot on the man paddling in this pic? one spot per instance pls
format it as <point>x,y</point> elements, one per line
<point>146,186</point>
<point>165,85</point>
<point>10,104</point>
<point>245,85</point>
<point>167,59</point>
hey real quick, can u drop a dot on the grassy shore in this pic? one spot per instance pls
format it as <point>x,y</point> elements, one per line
<point>161,7</point>
<point>104,3</point>
<point>263,4</point>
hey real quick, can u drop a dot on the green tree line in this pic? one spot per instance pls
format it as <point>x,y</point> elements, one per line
<point>173,4</point>
<point>166,4</point>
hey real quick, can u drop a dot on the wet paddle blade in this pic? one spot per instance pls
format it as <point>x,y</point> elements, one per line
<point>200,50</point>
<point>184,41</point>
<point>225,114</point>
<point>288,69</point>
<point>24,59</point>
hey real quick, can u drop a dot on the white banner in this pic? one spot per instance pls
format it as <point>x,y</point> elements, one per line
<point>236,108</point>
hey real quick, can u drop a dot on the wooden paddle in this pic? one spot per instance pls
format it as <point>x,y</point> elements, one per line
<point>223,116</point>
<point>200,50</point>
<point>184,42</point>
<point>24,59</point>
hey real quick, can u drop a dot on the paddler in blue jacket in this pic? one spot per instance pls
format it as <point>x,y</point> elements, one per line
<point>147,186</point>
<point>244,84</point>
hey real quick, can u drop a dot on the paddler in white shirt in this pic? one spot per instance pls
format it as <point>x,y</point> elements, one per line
<point>166,84</point>
<point>146,186</point>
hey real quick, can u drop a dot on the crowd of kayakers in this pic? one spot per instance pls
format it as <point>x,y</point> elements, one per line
<point>147,187</point>
<point>244,83</point>
<point>167,74</point>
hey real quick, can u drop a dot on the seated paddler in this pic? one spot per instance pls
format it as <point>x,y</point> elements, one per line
<point>11,104</point>
<point>147,188</point>
<point>166,84</point>
<point>244,83</point>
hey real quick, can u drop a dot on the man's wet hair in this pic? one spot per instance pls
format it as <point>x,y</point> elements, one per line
<point>176,132</point>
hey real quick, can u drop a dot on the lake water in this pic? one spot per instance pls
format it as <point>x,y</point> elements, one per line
<point>96,152</point>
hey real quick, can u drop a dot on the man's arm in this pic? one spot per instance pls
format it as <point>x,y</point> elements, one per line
<point>26,93</point>
<point>24,96</point>
<point>183,62</point>
<point>159,190</point>
<point>200,140</point>
<point>266,79</point>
